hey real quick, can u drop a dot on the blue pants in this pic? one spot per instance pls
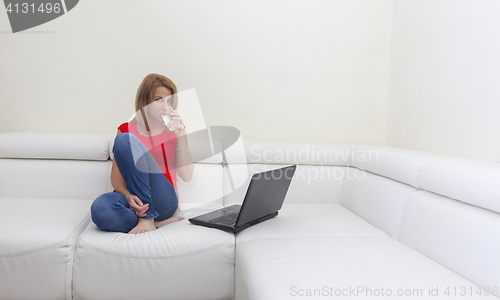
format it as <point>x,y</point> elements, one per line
<point>143,177</point>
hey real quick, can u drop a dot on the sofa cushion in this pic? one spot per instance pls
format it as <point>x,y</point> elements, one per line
<point>37,245</point>
<point>474,182</point>
<point>341,267</point>
<point>156,264</point>
<point>377,199</point>
<point>399,164</point>
<point>205,186</point>
<point>47,178</point>
<point>460,236</point>
<point>309,219</point>
<point>51,145</point>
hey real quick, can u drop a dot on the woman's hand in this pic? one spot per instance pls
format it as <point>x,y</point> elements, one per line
<point>183,158</point>
<point>179,129</point>
<point>135,204</point>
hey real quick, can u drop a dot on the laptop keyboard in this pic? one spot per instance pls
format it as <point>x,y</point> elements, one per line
<point>226,220</point>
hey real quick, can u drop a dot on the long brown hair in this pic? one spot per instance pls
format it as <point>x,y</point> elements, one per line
<point>145,95</point>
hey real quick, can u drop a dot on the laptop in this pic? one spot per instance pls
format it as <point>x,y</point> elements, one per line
<point>263,199</point>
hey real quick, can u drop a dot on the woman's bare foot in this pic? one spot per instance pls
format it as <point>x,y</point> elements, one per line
<point>168,221</point>
<point>143,225</point>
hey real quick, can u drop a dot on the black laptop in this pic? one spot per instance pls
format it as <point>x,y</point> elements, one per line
<point>264,197</point>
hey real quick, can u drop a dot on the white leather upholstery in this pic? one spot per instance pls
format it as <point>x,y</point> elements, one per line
<point>313,241</point>
<point>378,200</point>
<point>48,145</point>
<point>177,261</point>
<point>296,220</point>
<point>260,152</point>
<point>460,236</point>
<point>206,185</point>
<point>37,245</point>
<point>310,184</point>
<point>474,182</point>
<point>233,153</point>
<point>402,165</point>
<point>316,184</point>
<point>49,178</point>
<point>279,268</point>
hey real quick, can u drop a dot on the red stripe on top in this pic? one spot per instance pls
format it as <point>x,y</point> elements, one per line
<point>161,147</point>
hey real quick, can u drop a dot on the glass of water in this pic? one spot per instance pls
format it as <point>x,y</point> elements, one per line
<point>167,119</point>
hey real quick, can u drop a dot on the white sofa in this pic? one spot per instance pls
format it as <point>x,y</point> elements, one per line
<point>358,222</point>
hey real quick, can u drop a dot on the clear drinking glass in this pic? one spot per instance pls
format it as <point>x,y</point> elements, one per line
<point>171,124</point>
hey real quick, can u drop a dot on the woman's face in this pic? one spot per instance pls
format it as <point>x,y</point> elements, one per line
<point>162,101</point>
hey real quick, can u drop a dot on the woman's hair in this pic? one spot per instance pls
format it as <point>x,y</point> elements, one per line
<point>145,95</point>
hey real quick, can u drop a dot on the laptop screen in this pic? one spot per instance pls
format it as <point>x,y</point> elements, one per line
<point>265,194</point>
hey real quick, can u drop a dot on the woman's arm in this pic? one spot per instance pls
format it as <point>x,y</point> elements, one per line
<point>183,159</point>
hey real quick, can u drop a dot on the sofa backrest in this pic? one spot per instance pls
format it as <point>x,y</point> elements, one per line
<point>455,218</point>
<point>377,199</point>
<point>380,181</point>
<point>447,208</point>
<point>54,165</point>
<point>78,166</point>
<point>318,178</point>
<point>444,207</point>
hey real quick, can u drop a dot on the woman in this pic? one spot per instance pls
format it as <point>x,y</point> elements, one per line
<point>147,159</point>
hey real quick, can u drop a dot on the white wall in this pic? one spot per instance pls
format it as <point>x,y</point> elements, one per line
<point>444,87</point>
<point>311,71</point>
